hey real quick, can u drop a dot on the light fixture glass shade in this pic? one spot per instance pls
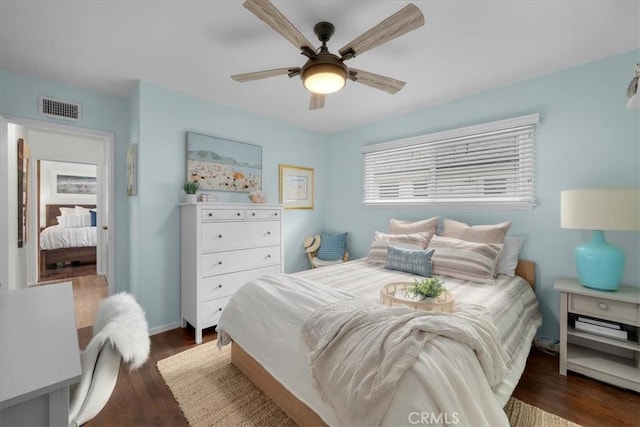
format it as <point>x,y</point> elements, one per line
<point>324,78</point>
<point>599,264</point>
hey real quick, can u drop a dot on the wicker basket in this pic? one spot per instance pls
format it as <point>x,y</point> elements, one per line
<point>393,294</point>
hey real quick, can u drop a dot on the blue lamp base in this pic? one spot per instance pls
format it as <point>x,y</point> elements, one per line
<point>600,265</point>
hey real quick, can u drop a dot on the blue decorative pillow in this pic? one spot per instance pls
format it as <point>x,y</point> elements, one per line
<point>93,218</point>
<point>409,260</point>
<point>332,246</point>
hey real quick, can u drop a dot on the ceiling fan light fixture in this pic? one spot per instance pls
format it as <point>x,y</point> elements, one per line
<point>324,78</point>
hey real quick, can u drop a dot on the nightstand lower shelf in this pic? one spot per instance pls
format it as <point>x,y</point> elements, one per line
<point>609,368</point>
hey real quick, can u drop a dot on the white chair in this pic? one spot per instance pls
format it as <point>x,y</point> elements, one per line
<point>120,332</point>
<point>312,245</point>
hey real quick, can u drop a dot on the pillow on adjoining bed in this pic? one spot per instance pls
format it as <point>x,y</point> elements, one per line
<point>67,211</point>
<point>409,260</point>
<point>378,248</point>
<point>509,257</point>
<point>465,260</point>
<point>82,211</point>
<point>397,226</point>
<point>74,221</point>
<point>475,233</point>
<point>94,218</point>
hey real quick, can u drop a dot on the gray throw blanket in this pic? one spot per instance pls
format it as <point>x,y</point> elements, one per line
<point>359,350</point>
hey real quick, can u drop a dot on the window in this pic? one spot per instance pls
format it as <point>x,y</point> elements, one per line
<point>488,165</point>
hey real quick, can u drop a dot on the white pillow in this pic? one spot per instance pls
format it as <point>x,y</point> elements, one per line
<point>82,211</point>
<point>509,257</point>
<point>67,211</point>
<point>74,221</point>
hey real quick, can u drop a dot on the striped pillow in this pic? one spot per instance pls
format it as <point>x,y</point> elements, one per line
<point>464,260</point>
<point>332,246</point>
<point>381,241</point>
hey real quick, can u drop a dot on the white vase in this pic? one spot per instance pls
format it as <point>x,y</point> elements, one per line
<point>190,198</point>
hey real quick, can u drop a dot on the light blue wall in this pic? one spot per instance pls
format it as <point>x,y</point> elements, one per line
<point>164,118</point>
<point>19,96</point>
<point>586,138</point>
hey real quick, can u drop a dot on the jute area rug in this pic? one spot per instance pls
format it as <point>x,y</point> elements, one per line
<point>212,392</point>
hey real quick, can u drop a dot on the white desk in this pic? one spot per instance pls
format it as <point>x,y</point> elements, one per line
<point>39,355</point>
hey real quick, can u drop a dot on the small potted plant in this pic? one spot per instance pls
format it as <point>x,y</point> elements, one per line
<point>427,289</point>
<point>190,189</point>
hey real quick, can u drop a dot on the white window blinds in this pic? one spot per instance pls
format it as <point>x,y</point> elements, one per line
<point>488,165</point>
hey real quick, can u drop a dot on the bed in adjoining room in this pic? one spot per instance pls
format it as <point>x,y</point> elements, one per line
<point>466,365</point>
<point>70,237</point>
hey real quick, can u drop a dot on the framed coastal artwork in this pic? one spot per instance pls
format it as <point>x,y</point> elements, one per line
<point>71,184</point>
<point>296,187</point>
<point>222,164</point>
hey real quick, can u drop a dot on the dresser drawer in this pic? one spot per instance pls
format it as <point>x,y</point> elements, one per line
<point>239,235</point>
<point>227,284</point>
<point>263,213</point>
<point>225,214</point>
<point>210,311</point>
<point>618,311</point>
<point>240,260</point>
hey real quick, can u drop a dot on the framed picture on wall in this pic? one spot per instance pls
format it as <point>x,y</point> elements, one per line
<point>71,184</point>
<point>296,187</point>
<point>222,164</point>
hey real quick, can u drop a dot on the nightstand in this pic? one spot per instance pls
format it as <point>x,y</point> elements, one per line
<point>590,350</point>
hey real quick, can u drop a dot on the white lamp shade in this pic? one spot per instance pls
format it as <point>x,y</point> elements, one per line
<point>600,209</point>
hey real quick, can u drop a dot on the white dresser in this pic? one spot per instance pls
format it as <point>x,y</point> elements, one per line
<point>224,245</point>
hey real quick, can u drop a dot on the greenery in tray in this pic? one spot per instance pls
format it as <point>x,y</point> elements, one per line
<point>429,287</point>
<point>191,187</point>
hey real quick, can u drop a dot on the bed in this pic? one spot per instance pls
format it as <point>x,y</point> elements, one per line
<point>65,245</point>
<point>275,357</point>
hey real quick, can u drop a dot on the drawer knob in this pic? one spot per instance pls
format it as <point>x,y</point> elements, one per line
<point>210,214</point>
<point>219,309</point>
<point>268,233</point>
<point>219,262</point>
<point>238,214</point>
<point>253,214</point>
<point>603,306</point>
<point>219,236</point>
<point>219,286</point>
<point>276,214</point>
<point>268,255</point>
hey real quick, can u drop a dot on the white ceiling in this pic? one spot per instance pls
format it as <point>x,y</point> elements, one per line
<point>465,47</point>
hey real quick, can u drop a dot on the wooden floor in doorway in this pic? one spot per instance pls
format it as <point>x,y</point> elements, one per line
<point>87,293</point>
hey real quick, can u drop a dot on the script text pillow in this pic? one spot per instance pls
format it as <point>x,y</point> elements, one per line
<point>409,260</point>
<point>332,246</point>
<point>475,233</point>
<point>397,226</point>
<point>471,261</point>
<point>378,248</point>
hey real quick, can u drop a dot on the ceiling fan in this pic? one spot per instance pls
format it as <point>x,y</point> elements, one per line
<point>325,72</point>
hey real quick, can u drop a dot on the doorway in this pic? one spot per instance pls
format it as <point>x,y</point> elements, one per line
<point>60,145</point>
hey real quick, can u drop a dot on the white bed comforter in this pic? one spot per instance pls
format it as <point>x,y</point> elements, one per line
<point>57,237</point>
<point>266,316</point>
<point>359,350</point>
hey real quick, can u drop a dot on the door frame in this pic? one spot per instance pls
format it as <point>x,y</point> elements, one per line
<point>107,198</point>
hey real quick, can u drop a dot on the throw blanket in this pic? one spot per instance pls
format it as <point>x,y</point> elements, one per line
<point>359,349</point>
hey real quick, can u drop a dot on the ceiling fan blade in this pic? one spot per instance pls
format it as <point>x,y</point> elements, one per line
<point>376,81</point>
<point>264,74</point>
<point>268,13</point>
<point>317,101</point>
<point>406,19</point>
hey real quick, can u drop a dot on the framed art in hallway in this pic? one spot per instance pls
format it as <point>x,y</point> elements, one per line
<point>222,164</point>
<point>296,187</point>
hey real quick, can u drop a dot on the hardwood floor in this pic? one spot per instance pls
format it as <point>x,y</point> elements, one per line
<point>141,397</point>
<point>68,271</point>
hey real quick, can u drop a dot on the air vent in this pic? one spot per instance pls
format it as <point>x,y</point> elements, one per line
<point>60,109</point>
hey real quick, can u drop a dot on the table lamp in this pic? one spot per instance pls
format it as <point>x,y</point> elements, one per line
<point>600,265</point>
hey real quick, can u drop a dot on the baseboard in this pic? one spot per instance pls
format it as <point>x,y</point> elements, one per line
<point>164,328</point>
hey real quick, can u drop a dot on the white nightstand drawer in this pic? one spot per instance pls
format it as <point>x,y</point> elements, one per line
<point>239,235</point>
<point>232,261</point>
<point>227,284</point>
<point>605,308</point>
<point>263,213</point>
<point>210,311</point>
<point>218,214</point>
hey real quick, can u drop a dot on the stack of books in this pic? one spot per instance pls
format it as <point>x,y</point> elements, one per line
<point>601,327</point>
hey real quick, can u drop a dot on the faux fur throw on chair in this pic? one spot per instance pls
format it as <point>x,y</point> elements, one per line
<point>121,321</point>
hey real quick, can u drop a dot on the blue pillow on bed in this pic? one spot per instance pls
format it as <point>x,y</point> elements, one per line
<point>93,218</point>
<point>332,246</point>
<point>409,260</point>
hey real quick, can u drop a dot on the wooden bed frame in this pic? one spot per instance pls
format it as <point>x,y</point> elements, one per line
<point>287,401</point>
<point>49,257</point>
